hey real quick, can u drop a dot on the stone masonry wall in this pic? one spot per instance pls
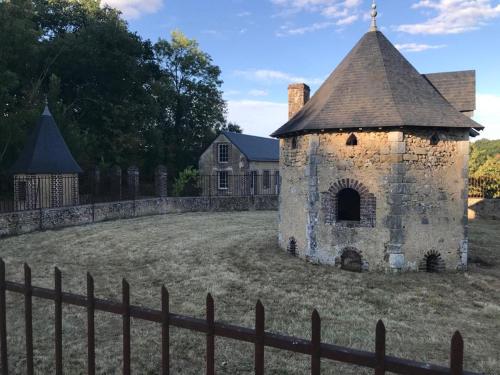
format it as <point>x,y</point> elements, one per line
<point>29,221</point>
<point>413,197</point>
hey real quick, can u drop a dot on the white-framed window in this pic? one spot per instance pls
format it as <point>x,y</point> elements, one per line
<point>223,180</point>
<point>223,152</point>
<point>266,179</point>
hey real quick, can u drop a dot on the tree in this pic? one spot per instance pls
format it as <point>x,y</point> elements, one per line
<point>118,99</point>
<point>232,127</point>
<point>189,91</point>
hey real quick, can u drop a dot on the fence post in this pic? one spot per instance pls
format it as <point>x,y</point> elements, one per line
<point>3,320</point>
<point>58,320</point>
<point>90,326</point>
<point>165,332</point>
<point>161,178</point>
<point>457,354</point>
<point>380,348</point>
<point>210,336</point>
<point>126,326</point>
<point>315,343</point>
<point>28,318</point>
<point>116,182</point>
<point>40,202</point>
<point>259,339</point>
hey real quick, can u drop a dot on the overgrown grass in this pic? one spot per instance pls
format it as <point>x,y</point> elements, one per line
<point>235,257</point>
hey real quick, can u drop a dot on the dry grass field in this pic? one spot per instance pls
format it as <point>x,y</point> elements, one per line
<point>235,257</point>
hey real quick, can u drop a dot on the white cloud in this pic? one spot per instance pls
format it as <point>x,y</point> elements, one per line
<point>258,93</point>
<point>135,8</point>
<point>285,30</point>
<point>344,12</point>
<point>488,115</point>
<point>244,14</point>
<point>415,47</point>
<point>453,16</point>
<point>257,117</point>
<point>267,75</point>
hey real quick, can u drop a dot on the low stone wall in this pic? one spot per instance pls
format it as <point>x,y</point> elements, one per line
<point>28,221</point>
<point>484,208</point>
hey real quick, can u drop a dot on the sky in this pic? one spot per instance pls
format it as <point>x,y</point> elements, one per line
<point>264,45</point>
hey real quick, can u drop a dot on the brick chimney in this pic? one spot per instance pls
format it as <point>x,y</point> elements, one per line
<point>298,96</point>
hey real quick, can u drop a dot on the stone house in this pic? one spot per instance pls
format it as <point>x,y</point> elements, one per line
<point>374,165</point>
<point>241,164</point>
<point>45,174</point>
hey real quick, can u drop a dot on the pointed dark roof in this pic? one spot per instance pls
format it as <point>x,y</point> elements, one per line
<point>255,148</point>
<point>375,86</point>
<point>45,150</point>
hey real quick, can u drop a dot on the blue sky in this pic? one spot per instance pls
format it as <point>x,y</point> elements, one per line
<point>263,45</point>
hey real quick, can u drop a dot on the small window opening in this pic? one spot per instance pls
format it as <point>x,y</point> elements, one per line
<point>348,203</point>
<point>352,140</point>
<point>434,139</point>
<point>294,143</point>
<point>351,261</point>
<point>292,246</point>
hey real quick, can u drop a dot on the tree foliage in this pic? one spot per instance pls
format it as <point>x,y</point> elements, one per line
<point>117,98</point>
<point>484,158</point>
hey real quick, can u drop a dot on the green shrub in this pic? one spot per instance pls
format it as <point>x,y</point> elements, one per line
<point>187,184</point>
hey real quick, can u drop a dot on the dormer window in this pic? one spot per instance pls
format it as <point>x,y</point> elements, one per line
<point>223,152</point>
<point>434,139</point>
<point>352,140</point>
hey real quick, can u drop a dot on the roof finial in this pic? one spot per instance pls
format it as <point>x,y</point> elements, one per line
<point>374,14</point>
<point>46,111</point>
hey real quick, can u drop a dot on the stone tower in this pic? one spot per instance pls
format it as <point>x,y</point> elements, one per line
<point>374,166</point>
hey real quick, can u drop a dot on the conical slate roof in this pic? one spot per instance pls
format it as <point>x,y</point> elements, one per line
<point>375,86</point>
<point>46,151</point>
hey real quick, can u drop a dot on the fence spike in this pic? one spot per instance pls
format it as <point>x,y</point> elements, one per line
<point>259,338</point>
<point>3,321</point>
<point>28,318</point>
<point>210,336</point>
<point>90,325</point>
<point>315,343</point>
<point>457,354</point>
<point>58,320</point>
<point>126,326</point>
<point>380,348</point>
<point>165,332</point>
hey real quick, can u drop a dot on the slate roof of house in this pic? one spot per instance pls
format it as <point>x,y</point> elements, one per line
<point>255,148</point>
<point>459,88</point>
<point>375,86</point>
<point>45,151</point>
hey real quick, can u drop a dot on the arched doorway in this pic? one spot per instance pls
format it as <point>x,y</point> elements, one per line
<point>350,260</point>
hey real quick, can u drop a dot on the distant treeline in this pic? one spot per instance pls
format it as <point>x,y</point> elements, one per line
<point>117,98</point>
<point>484,159</point>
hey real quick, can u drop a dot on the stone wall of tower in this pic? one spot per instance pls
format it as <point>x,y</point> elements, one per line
<point>413,197</point>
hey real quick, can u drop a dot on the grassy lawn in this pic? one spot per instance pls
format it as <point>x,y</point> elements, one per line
<point>235,257</point>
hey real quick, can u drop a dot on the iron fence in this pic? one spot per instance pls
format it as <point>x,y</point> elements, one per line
<point>314,348</point>
<point>33,192</point>
<point>226,184</point>
<point>484,187</point>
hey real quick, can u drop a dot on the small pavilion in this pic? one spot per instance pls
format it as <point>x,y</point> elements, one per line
<point>45,174</point>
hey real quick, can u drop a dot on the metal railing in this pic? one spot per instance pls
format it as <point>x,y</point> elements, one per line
<point>314,348</point>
